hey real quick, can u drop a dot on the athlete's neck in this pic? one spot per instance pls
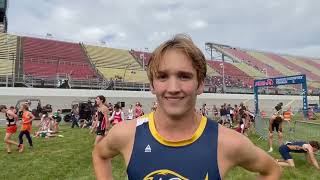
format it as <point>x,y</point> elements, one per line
<point>176,128</point>
<point>100,106</point>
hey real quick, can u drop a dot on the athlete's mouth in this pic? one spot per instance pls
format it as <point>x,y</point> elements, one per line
<point>174,98</point>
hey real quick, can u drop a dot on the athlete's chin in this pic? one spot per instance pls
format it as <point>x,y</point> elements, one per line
<point>176,113</point>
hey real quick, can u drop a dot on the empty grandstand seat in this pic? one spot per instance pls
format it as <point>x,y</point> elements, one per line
<point>113,63</point>
<point>55,57</point>
<point>8,46</point>
<point>243,56</point>
<point>234,76</point>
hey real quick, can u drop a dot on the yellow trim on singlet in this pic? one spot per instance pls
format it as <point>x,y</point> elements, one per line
<point>163,141</point>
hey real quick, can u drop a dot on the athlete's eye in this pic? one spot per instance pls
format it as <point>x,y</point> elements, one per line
<point>162,76</point>
<point>185,76</point>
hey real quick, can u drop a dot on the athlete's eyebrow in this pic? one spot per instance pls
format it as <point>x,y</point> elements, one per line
<point>179,72</point>
<point>186,73</point>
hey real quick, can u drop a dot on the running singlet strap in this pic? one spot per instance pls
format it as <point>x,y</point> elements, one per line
<point>153,157</point>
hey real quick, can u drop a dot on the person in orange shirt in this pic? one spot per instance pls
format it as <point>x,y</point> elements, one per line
<point>27,118</point>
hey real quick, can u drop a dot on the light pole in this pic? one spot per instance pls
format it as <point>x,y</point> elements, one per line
<point>265,70</point>
<point>143,57</point>
<point>12,64</point>
<point>124,74</point>
<point>223,80</point>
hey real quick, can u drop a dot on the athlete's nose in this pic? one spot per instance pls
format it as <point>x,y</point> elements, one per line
<point>173,85</point>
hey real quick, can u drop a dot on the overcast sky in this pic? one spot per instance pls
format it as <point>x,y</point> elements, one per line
<point>285,26</point>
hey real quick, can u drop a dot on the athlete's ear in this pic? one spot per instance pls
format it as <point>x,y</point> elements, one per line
<point>200,88</point>
<point>152,89</point>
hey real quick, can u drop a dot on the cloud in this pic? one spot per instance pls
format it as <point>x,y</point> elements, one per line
<point>275,25</point>
<point>198,24</point>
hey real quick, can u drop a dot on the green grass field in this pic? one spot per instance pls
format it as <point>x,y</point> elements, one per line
<point>70,158</point>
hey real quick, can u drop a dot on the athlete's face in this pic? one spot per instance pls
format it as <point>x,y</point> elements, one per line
<point>176,84</point>
<point>98,101</point>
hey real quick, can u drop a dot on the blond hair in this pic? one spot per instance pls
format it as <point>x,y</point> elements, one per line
<point>24,107</point>
<point>184,44</point>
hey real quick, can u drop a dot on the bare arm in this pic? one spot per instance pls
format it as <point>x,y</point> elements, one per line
<point>105,150</point>
<point>312,157</point>
<point>256,160</point>
<point>12,115</point>
<point>308,159</point>
<point>31,116</point>
<point>106,119</point>
<point>112,116</point>
<point>101,157</point>
<point>94,126</point>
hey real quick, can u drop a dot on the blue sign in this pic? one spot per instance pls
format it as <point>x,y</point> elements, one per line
<point>297,79</point>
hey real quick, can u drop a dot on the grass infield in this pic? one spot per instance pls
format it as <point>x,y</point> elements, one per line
<point>70,158</point>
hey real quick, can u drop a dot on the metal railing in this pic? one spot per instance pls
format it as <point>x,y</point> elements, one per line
<point>297,129</point>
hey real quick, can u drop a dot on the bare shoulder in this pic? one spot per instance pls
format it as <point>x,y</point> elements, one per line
<point>104,108</point>
<point>122,134</point>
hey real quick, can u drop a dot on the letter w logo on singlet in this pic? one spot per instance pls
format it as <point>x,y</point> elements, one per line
<point>163,174</point>
<point>147,149</point>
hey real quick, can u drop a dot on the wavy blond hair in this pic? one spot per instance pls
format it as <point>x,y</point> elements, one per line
<point>184,44</point>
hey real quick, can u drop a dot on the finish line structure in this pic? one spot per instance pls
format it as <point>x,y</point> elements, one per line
<point>278,81</point>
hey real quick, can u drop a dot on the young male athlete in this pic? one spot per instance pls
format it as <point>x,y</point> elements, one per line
<point>101,118</point>
<point>176,142</point>
<point>309,148</point>
<point>275,124</point>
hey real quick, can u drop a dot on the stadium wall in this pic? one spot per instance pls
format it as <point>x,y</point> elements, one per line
<point>62,98</point>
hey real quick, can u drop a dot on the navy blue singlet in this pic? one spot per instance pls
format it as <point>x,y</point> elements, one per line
<point>155,158</point>
<point>297,143</point>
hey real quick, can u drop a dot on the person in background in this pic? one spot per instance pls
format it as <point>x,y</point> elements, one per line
<point>56,116</point>
<point>130,113</point>
<point>27,118</point>
<point>138,110</point>
<point>101,119</point>
<point>215,112</point>
<point>117,115</point>
<point>11,119</point>
<point>308,148</point>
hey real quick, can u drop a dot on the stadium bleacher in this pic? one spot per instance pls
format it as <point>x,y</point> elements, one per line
<point>116,63</point>
<point>253,72</point>
<point>48,58</point>
<point>8,47</point>
<point>311,62</point>
<point>274,64</point>
<point>313,72</point>
<point>243,56</point>
<point>292,66</point>
<point>235,76</point>
<point>55,57</point>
